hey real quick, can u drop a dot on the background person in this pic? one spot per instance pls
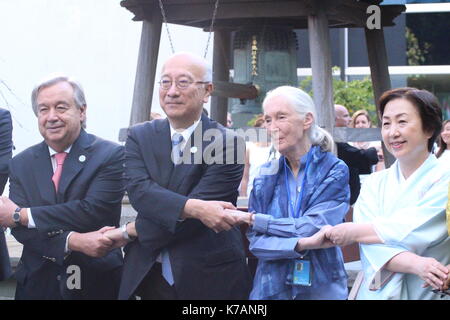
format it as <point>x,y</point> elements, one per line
<point>6,147</point>
<point>359,161</point>
<point>361,119</point>
<point>257,153</point>
<point>443,154</point>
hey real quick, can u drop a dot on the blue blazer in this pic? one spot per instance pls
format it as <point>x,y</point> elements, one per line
<point>205,264</point>
<point>89,197</point>
<point>5,156</point>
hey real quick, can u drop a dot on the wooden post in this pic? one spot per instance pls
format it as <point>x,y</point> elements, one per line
<point>146,69</point>
<point>379,71</point>
<point>221,72</point>
<point>322,83</point>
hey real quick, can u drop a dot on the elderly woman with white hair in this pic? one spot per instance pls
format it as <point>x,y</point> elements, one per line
<point>292,199</point>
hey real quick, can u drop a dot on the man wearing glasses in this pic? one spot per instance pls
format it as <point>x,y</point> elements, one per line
<point>186,246</point>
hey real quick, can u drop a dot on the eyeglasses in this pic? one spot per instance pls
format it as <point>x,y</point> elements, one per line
<point>180,84</point>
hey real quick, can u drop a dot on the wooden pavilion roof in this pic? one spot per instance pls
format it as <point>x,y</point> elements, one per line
<point>235,14</point>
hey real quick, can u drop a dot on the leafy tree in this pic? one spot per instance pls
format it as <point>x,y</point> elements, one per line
<point>415,52</point>
<point>354,95</point>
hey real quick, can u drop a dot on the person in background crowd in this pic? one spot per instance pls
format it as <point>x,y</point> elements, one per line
<point>443,154</point>
<point>361,119</point>
<point>229,120</point>
<point>6,147</point>
<point>257,153</point>
<point>155,115</point>
<point>359,161</point>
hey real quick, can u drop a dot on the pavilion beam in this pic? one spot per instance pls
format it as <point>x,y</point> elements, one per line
<point>146,69</point>
<point>221,72</point>
<point>320,52</point>
<point>379,72</point>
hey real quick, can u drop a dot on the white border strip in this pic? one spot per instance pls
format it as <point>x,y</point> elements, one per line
<point>427,7</point>
<point>352,71</point>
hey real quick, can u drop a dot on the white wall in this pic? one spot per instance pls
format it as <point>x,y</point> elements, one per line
<point>95,42</point>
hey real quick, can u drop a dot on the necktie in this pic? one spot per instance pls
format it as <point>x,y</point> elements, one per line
<point>177,140</point>
<point>59,157</point>
<point>166,267</point>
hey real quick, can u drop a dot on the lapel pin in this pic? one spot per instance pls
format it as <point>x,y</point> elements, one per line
<point>194,149</point>
<point>82,158</point>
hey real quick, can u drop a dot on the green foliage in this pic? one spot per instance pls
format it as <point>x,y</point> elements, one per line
<point>252,121</point>
<point>354,95</point>
<point>415,52</point>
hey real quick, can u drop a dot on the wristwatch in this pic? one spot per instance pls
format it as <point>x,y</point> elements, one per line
<point>125,234</point>
<point>16,216</point>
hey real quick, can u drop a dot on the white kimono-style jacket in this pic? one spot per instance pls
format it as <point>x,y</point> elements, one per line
<point>408,215</point>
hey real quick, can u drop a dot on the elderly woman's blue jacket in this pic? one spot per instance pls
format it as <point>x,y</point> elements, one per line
<point>274,234</point>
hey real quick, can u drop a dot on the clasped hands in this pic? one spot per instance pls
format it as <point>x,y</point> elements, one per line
<point>98,243</point>
<point>95,244</point>
<point>340,235</point>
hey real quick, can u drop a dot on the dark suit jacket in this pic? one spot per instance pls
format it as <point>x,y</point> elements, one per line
<point>5,146</point>
<point>359,161</point>
<point>5,156</point>
<point>205,264</point>
<point>89,197</point>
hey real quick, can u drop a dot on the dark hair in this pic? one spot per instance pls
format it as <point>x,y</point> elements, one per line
<point>426,104</point>
<point>441,143</point>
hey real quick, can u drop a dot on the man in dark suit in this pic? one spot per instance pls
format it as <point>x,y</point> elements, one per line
<point>187,245</point>
<point>63,192</point>
<point>359,161</point>
<point>5,155</point>
<point>5,146</point>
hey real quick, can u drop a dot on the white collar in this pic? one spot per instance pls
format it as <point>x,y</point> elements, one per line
<point>53,152</point>
<point>186,133</point>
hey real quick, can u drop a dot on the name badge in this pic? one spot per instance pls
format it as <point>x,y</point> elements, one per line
<point>302,272</point>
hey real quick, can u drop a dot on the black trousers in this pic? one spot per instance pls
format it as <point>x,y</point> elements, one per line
<point>155,287</point>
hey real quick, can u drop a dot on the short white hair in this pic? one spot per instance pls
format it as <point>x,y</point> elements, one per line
<point>78,92</point>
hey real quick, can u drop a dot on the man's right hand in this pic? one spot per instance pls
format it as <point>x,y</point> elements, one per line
<point>211,214</point>
<point>94,244</point>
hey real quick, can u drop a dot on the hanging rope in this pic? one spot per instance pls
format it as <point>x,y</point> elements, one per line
<point>211,27</point>
<point>163,13</point>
